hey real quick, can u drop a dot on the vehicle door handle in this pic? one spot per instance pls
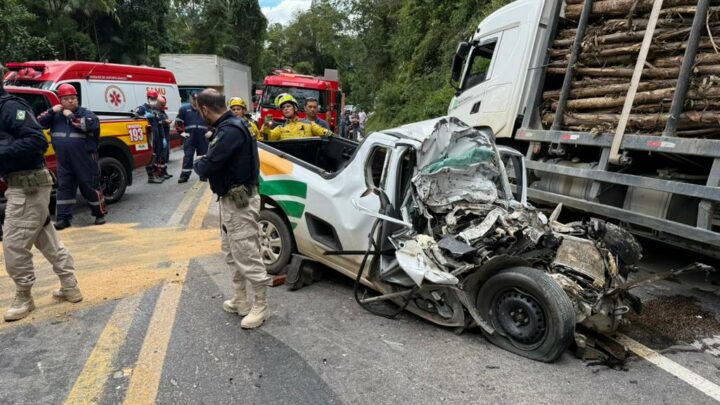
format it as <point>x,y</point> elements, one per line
<point>475,108</point>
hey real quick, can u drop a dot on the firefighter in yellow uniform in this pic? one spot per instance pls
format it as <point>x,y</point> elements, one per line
<point>239,108</point>
<point>294,126</point>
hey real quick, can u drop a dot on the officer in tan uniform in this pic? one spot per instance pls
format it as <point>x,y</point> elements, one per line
<point>27,218</point>
<point>232,167</point>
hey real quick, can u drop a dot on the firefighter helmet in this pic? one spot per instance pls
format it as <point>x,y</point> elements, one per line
<point>152,93</point>
<point>66,90</point>
<point>285,98</point>
<point>237,102</point>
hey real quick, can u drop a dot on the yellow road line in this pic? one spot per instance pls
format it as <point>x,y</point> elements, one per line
<point>698,382</point>
<point>90,384</point>
<point>184,206</point>
<point>201,210</point>
<point>145,379</point>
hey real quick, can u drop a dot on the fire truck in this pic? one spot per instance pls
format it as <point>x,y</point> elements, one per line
<point>325,89</point>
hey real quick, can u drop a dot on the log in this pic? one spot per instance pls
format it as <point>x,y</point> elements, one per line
<point>656,73</point>
<point>700,59</point>
<point>623,7</point>
<point>618,37</point>
<point>615,50</point>
<point>642,97</point>
<point>662,34</point>
<point>698,105</point>
<point>583,90</point>
<point>639,121</point>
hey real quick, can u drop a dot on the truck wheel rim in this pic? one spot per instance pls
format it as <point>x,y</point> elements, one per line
<point>270,242</point>
<point>520,317</point>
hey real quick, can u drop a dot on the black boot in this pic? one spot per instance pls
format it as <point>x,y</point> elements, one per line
<point>61,224</point>
<point>182,179</point>
<point>155,180</point>
<point>100,220</point>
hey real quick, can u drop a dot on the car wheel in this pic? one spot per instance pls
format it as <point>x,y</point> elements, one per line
<point>275,241</point>
<point>113,179</point>
<point>531,314</point>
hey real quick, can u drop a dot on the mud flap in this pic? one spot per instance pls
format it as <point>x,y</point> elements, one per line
<point>301,271</point>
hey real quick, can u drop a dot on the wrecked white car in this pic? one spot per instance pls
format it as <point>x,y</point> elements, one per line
<point>425,215</point>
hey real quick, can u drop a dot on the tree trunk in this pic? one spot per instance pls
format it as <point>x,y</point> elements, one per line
<point>642,97</point>
<point>639,121</point>
<point>656,73</point>
<point>623,7</point>
<point>700,59</point>
<point>584,89</point>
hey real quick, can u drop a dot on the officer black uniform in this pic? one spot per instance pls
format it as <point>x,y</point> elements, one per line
<point>22,143</point>
<point>232,157</point>
<point>232,167</point>
<point>75,139</point>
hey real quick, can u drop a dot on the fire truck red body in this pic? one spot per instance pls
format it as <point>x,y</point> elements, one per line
<point>302,87</point>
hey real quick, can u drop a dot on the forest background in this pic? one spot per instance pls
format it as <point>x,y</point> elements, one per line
<point>393,56</point>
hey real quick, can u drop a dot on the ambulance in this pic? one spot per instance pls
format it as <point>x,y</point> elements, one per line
<point>110,90</point>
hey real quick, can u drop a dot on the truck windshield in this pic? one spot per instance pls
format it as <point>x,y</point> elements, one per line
<point>38,84</point>
<point>300,94</point>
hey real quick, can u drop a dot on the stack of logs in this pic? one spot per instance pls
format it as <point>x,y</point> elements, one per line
<point>605,66</point>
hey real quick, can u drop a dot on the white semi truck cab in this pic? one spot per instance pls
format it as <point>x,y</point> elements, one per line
<point>658,184</point>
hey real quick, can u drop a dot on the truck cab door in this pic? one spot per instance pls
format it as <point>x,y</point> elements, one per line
<point>496,68</point>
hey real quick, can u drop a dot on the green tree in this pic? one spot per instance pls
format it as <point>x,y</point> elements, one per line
<point>233,29</point>
<point>16,41</point>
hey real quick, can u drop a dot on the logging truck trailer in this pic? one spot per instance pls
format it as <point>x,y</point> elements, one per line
<point>660,184</point>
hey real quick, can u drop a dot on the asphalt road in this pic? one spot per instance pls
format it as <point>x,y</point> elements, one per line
<point>151,329</point>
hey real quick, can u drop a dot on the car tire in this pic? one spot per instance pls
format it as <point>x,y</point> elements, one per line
<point>531,314</point>
<point>276,243</point>
<point>113,179</point>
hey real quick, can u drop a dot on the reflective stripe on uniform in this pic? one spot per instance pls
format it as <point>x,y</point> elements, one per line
<point>66,202</point>
<point>187,170</point>
<point>94,203</point>
<point>196,126</point>
<point>70,135</point>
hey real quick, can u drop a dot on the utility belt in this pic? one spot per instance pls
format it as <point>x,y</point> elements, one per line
<point>241,195</point>
<point>29,180</point>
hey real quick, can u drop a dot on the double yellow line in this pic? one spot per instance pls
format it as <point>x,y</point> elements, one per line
<point>145,379</point>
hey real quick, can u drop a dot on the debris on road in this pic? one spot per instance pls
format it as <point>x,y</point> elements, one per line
<point>668,321</point>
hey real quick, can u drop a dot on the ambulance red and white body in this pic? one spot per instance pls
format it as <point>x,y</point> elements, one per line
<point>107,89</point>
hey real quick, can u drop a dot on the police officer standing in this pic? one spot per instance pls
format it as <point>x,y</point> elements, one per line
<point>75,136</point>
<point>232,166</point>
<point>27,221</point>
<point>193,129</point>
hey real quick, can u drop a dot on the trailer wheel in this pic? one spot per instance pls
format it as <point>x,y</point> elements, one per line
<point>532,316</point>
<point>113,179</point>
<point>275,241</point>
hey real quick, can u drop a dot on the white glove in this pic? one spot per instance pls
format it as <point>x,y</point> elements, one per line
<point>184,134</point>
<point>208,134</point>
